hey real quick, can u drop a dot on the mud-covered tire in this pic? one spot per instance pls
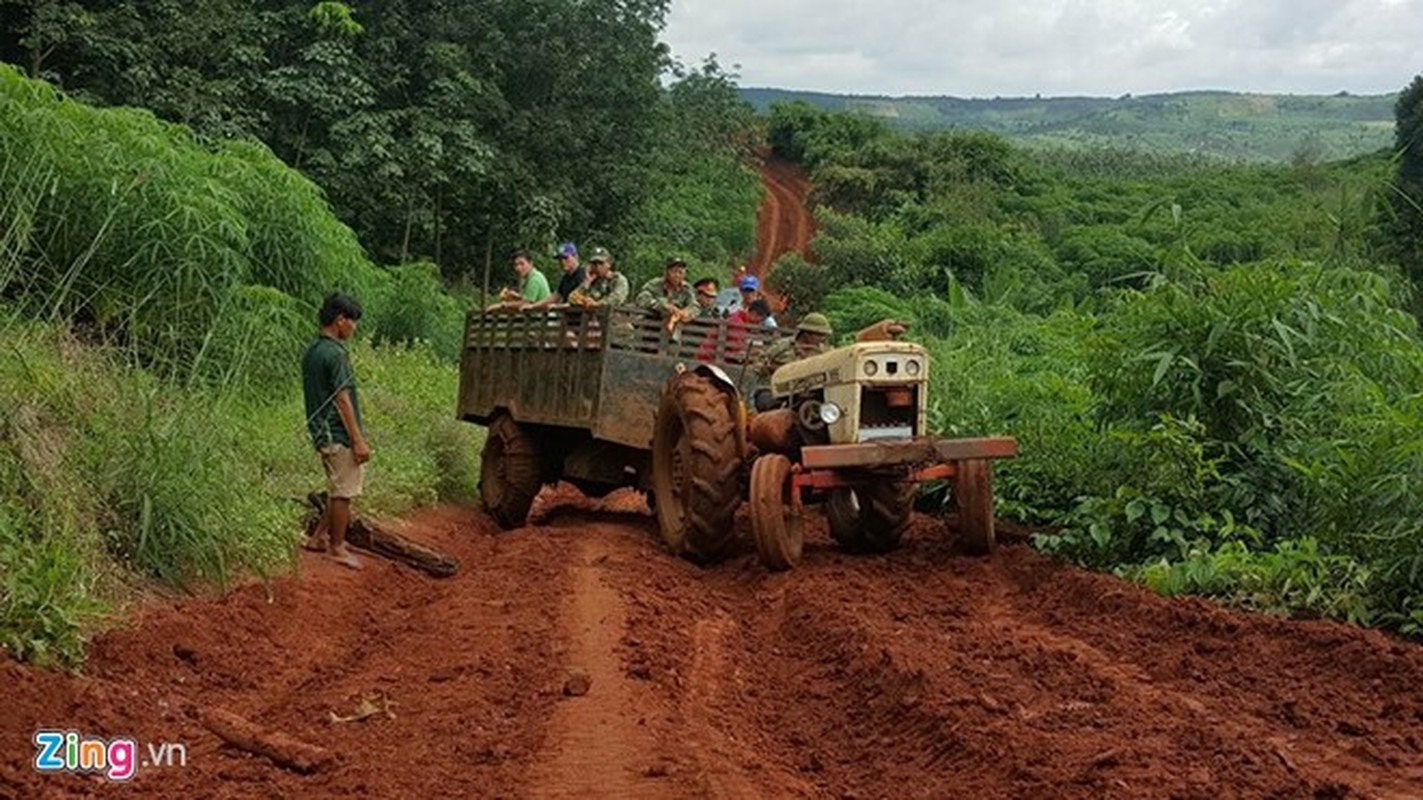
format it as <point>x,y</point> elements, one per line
<point>973,496</point>
<point>695,469</point>
<point>509,472</point>
<point>776,524</point>
<point>871,517</point>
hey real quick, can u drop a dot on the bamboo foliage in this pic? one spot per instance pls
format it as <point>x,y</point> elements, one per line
<point>145,235</point>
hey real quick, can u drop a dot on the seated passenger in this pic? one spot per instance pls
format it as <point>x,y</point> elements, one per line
<point>669,297</point>
<point>706,299</point>
<point>738,330</point>
<point>604,287</point>
<point>810,339</point>
<point>573,276</point>
<point>531,285</point>
<point>750,286</point>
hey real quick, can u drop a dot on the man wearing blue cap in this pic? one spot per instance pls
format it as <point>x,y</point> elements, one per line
<point>573,276</point>
<point>751,292</point>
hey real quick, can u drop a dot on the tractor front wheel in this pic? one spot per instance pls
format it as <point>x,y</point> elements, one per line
<point>775,516</point>
<point>870,517</point>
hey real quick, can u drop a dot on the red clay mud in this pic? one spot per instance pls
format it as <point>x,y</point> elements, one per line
<point>922,673</point>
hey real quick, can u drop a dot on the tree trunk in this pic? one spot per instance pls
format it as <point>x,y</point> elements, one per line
<point>488,263</point>
<point>439,209</point>
<point>279,747</point>
<point>409,223</point>
<point>382,540</point>
<point>371,535</point>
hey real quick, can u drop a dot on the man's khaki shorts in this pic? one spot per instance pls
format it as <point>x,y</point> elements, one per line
<point>344,477</point>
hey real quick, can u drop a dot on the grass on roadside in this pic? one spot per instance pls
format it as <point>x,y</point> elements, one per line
<point>109,476</point>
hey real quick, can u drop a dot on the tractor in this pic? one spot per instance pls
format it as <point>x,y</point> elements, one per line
<point>612,398</point>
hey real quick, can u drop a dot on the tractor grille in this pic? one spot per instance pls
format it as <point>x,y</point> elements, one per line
<point>888,412</point>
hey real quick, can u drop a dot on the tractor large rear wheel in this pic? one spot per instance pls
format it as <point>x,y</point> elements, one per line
<point>509,472</point>
<point>695,469</point>
<point>973,495</point>
<point>870,517</point>
<point>775,517</point>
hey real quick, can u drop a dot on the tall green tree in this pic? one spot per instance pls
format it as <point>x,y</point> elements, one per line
<point>440,129</point>
<point>1406,200</point>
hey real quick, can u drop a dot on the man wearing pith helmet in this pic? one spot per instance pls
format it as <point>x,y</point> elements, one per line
<point>811,338</point>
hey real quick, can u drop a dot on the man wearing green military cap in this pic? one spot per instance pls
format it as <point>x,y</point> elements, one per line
<point>669,296</point>
<point>810,339</point>
<point>604,287</point>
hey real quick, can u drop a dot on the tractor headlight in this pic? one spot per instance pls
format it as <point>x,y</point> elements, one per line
<point>871,368</point>
<point>830,413</point>
<point>912,367</point>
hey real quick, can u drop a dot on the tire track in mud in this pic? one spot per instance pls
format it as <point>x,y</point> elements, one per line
<point>926,674</point>
<point>768,225</point>
<point>715,678</point>
<point>783,222</point>
<point>600,743</point>
<point>674,689</point>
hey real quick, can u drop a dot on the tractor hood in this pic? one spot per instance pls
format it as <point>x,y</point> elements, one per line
<point>871,363</point>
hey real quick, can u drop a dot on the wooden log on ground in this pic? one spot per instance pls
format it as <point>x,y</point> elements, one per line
<point>381,539</point>
<point>378,538</point>
<point>282,749</point>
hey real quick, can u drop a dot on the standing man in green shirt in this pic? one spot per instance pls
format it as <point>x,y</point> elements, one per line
<point>333,419</point>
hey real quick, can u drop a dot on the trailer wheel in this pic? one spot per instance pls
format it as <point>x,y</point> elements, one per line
<point>695,469</point>
<point>871,517</point>
<point>973,495</point>
<point>509,472</point>
<point>775,520</point>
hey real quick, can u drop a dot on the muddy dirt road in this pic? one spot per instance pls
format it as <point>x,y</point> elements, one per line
<point>920,674</point>
<point>783,224</point>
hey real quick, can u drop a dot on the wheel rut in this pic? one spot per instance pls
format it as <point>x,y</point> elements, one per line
<point>601,740</point>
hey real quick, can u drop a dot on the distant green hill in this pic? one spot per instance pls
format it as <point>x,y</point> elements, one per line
<point>1242,127</point>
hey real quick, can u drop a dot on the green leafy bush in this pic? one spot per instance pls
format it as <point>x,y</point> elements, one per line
<point>1199,361</point>
<point>409,305</point>
<point>1164,500</point>
<point>1294,577</point>
<point>47,593</point>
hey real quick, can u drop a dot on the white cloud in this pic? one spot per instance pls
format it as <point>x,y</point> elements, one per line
<point>1056,47</point>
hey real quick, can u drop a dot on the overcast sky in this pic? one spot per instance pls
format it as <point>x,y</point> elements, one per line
<point>982,48</point>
